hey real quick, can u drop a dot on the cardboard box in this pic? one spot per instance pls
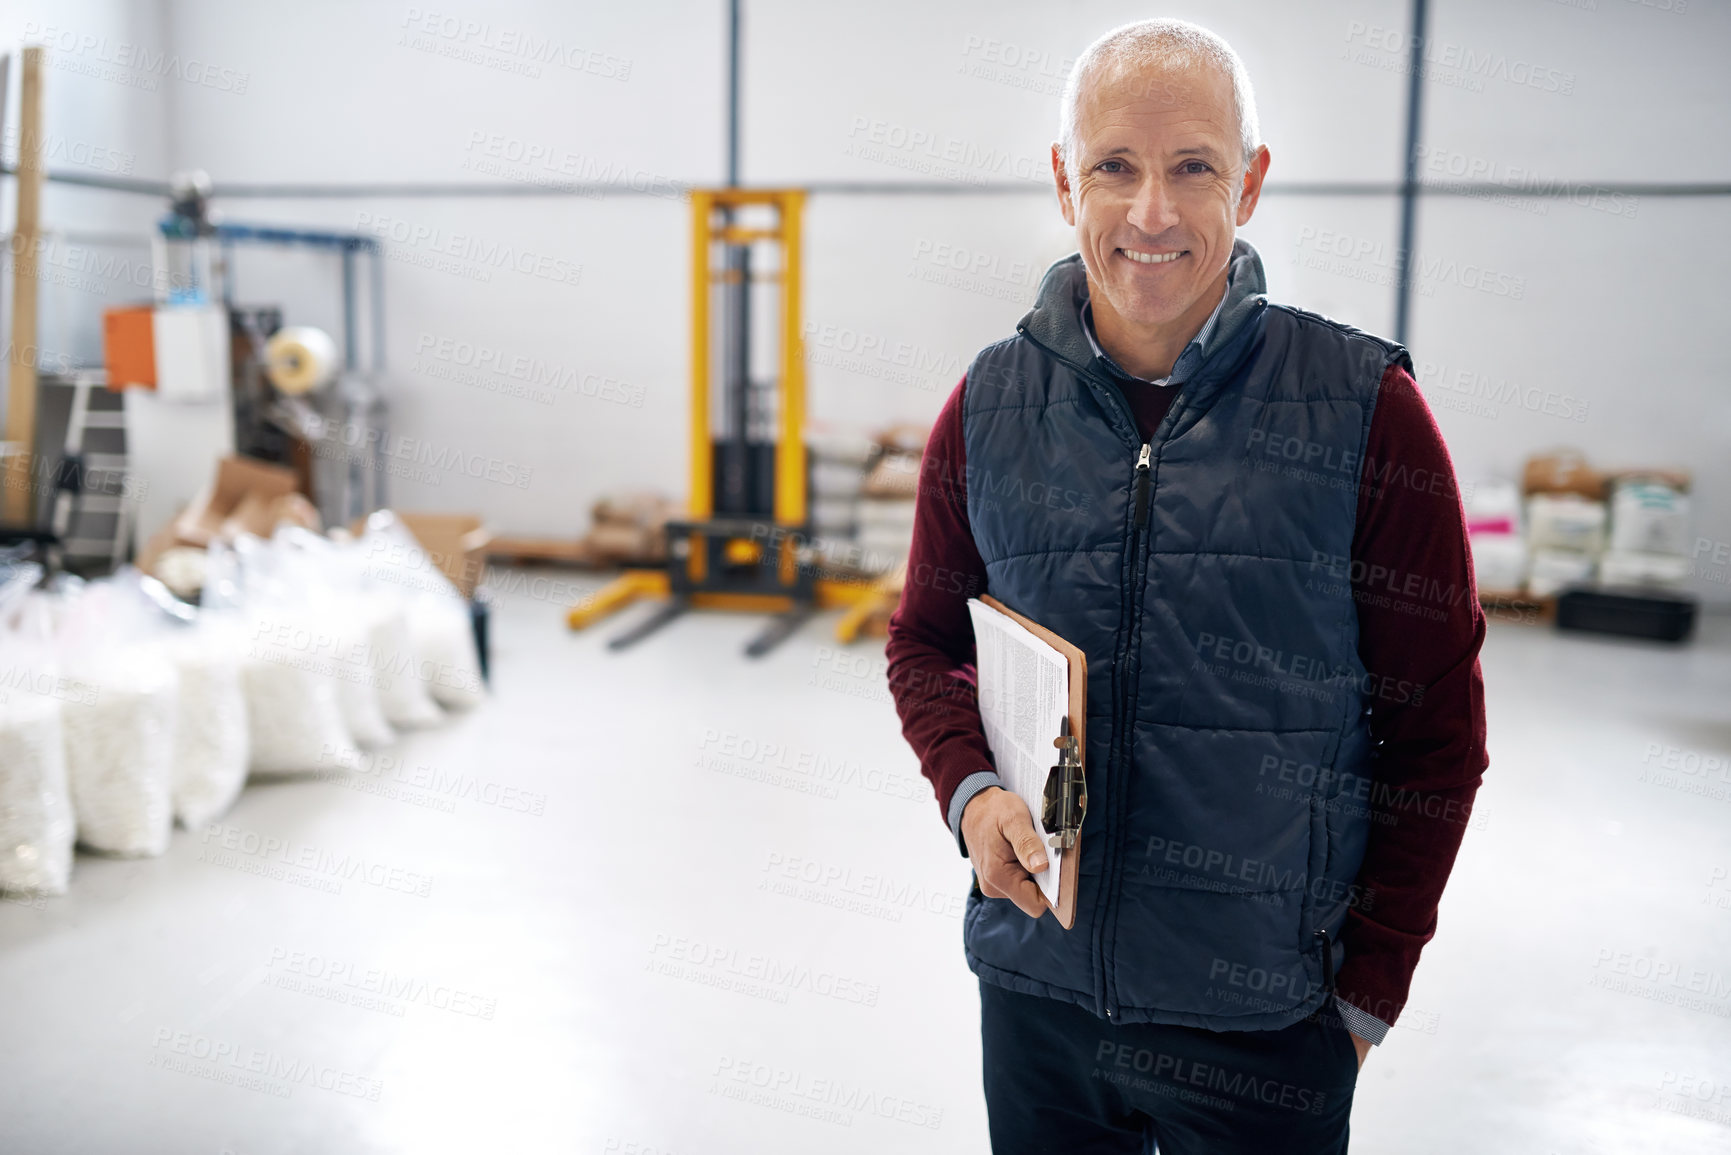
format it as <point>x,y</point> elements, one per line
<point>896,475</point>
<point>242,499</point>
<point>1678,479</point>
<point>1564,471</point>
<point>649,510</point>
<point>455,542</point>
<point>247,496</point>
<point>904,437</point>
<point>626,544</point>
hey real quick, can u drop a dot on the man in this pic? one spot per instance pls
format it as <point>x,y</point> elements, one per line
<point>1245,516</point>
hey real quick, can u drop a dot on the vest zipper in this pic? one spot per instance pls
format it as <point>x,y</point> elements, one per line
<point>1126,703</point>
<point>1125,734</point>
<point>1141,486</point>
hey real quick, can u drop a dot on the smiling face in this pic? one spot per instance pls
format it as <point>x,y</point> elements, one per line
<point>1160,189</point>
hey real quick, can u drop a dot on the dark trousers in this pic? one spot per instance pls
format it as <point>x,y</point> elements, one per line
<point>1058,1079</point>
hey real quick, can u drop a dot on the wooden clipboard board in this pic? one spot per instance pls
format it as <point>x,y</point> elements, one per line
<point>1065,908</point>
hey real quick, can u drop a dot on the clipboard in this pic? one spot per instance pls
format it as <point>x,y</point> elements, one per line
<point>1061,805</point>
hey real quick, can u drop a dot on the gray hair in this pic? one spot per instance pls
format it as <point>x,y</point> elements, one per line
<point>1165,43</point>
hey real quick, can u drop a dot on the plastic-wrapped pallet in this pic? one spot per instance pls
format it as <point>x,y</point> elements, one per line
<point>1634,568</point>
<point>834,516</point>
<point>444,636</point>
<point>837,445</point>
<point>357,630</point>
<point>373,653</point>
<point>1499,563</point>
<point>120,721</point>
<point>36,823</point>
<point>210,745</point>
<point>841,480</point>
<point>1649,517</point>
<point>1493,512</point>
<point>352,668</point>
<point>441,630</point>
<point>295,720</point>
<point>1565,521</point>
<point>886,532</point>
<point>402,693</point>
<point>330,585</point>
<point>1551,570</point>
<point>838,459</point>
<point>35,807</point>
<point>294,723</point>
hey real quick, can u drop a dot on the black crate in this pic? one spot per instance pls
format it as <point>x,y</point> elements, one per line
<point>1631,612</point>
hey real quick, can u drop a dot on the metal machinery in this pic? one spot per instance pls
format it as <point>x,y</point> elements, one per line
<point>336,417</point>
<point>747,543</point>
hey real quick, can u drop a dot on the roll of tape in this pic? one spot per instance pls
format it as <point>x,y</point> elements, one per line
<point>300,358</point>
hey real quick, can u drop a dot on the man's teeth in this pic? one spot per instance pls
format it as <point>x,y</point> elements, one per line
<point>1152,258</point>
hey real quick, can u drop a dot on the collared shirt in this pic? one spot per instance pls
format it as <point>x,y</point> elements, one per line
<point>1181,368</point>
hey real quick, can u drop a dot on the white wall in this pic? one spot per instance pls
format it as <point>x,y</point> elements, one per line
<point>341,93</point>
<point>101,117</point>
<point>1606,307</point>
<point>1621,298</point>
<point>821,88</point>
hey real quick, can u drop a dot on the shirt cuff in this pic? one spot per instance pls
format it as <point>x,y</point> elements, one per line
<point>1361,1023</point>
<point>971,785</point>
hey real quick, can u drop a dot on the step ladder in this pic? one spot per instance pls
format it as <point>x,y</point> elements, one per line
<point>77,503</point>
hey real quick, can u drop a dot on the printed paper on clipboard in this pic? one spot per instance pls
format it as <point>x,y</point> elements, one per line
<point>1030,680</point>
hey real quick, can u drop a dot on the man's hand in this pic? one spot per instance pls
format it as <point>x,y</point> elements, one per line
<point>1004,848</point>
<point>1362,1046</point>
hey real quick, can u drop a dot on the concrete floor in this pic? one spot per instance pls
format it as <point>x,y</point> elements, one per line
<point>598,913</point>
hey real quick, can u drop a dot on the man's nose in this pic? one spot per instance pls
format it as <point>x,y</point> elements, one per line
<point>1153,209</point>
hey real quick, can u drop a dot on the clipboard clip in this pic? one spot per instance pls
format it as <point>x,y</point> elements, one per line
<point>1066,796</point>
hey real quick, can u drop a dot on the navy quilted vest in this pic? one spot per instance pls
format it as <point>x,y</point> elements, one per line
<point>1227,705</point>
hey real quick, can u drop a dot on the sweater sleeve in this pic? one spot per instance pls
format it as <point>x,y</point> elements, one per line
<point>1420,630</point>
<point>931,639</point>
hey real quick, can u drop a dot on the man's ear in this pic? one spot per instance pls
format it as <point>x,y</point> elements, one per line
<point>1251,192</point>
<point>1066,204</point>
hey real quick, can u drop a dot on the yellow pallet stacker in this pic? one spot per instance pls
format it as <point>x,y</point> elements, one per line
<point>747,542</point>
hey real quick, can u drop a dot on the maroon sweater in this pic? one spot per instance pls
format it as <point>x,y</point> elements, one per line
<point>1419,622</point>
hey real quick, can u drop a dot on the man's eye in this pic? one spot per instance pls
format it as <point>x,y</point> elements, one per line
<point>1195,167</point>
<point>1111,166</point>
